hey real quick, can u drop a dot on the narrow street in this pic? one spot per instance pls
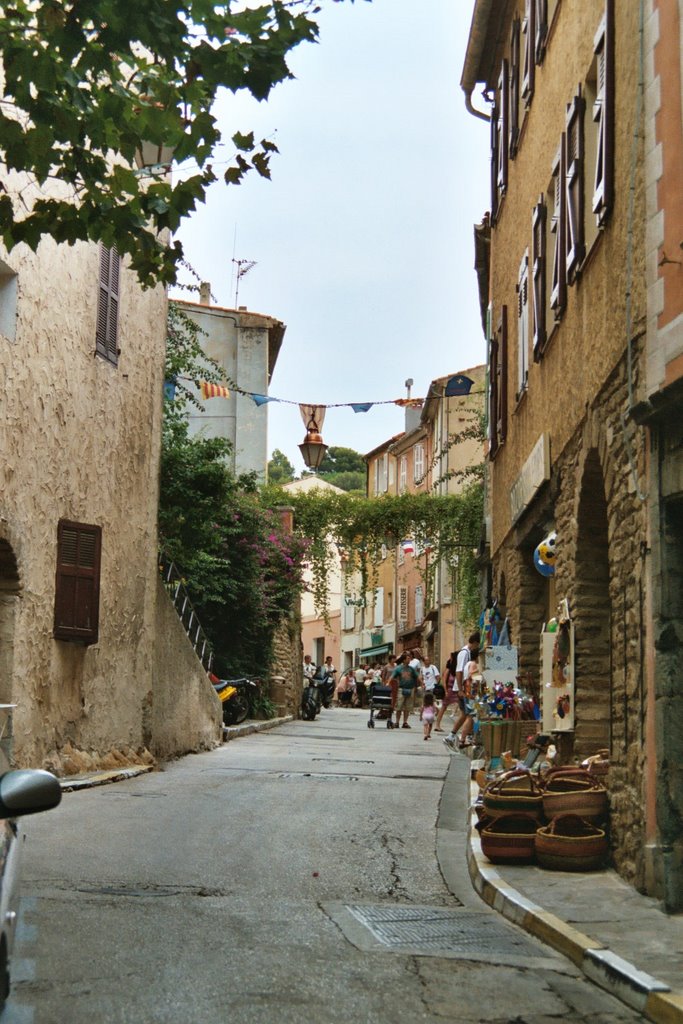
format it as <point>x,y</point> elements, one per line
<point>290,875</point>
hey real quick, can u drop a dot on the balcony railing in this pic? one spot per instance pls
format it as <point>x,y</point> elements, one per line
<point>176,590</point>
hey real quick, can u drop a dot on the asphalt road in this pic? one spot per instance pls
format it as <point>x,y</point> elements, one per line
<point>292,875</point>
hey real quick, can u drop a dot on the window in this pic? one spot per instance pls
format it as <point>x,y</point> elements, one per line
<point>381,474</point>
<point>601,79</point>
<point>575,246</point>
<point>418,462</point>
<point>498,385</point>
<point>403,474</point>
<point>540,29</point>
<point>538,239</point>
<point>106,339</point>
<point>494,161</point>
<point>419,605</point>
<point>379,607</point>
<point>528,48</point>
<point>558,286</point>
<point>8,301</point>
<point>502,130</point>
<point>77,582</point>
<point>383,552</point>
<point>513,89</point>
<point>349,613</point>
<point>402,608</point>
<point>523,325</point>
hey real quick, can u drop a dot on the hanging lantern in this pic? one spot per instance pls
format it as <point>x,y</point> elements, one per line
<point>313,448</point>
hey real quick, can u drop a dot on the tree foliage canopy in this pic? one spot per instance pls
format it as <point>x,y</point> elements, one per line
<point>87,82</point>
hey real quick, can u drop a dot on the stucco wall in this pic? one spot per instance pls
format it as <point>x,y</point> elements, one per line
<point>183,711</point>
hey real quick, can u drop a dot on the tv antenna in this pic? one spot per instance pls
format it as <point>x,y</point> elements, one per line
<point>243,268</point>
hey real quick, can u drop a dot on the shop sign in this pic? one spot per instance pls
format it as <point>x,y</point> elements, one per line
<point>535,472</point>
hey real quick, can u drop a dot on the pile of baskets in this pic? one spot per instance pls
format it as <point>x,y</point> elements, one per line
<point>557,821</point>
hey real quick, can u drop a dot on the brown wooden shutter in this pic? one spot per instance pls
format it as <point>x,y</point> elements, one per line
<point>503,129</point>
<point>528,46</point>
<point>513,87</point>
<point>523,325</point>
<point>493,396</point>
<point>502,410</point>
<point>538,271</point>
<point>558,228</point>
<point>574,186</point>
<point>603,115</point>
<point>494,162</point>
<point>106,340</point>
<point>77,582</point>
<point>540,29</point>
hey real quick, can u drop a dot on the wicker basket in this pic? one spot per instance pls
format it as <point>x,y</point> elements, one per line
<point>574,791</point>
<point>597,764</point>
<point>510,838</point>
<point>517,792</point>
<point>570,843</point>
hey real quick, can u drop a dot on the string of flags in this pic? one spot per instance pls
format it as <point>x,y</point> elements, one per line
<point>459,384</point>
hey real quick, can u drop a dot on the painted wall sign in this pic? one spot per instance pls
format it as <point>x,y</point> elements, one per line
<point>535,472</point>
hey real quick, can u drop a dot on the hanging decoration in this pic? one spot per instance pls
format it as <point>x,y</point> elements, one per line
<point>544,555</point>
<point>213,390</point>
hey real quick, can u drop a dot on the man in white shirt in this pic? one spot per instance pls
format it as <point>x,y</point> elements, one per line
<point>430,675</point>
<point>470,652</point>
<point>309,668</point>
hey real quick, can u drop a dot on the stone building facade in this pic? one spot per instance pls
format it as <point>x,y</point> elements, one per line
<point>564,289</point>
<point>81,604</point>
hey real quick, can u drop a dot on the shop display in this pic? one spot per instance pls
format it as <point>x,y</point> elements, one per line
<point>557,672</point>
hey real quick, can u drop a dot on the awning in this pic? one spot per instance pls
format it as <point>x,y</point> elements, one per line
<point>369,652</point>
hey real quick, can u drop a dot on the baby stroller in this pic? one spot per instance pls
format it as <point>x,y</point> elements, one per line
<point>380,703</point>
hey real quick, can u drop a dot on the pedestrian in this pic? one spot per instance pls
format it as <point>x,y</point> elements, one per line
<point>408,681</point>
<point>345,688</point>
<point>360,676</point>
<point>430,675</point>
<point>427,714</point>
<point>450,695</point>
<point>387,679</point>
<point>470,652</point>
<point>309,668</point>
<point>471,669</point>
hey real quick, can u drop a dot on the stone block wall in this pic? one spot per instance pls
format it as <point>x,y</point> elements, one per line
<point>286,682</point>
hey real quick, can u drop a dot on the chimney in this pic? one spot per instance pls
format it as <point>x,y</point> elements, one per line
<point>205,293</point>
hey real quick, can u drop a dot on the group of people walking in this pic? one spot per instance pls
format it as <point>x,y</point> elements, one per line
<point>411,674</point>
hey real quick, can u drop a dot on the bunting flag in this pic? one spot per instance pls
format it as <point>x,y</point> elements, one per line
<point>262,399</point>
<point>213,390</point>
<point>407,547</point>
<point>313,416</point>
<point>409,403</point>
<point>361,406</point>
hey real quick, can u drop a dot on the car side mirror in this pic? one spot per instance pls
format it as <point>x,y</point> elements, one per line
<point>28,791</point>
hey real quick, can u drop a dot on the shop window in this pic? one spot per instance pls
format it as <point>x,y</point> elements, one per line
<point>574,186</point>
<point>538,271</point>
<point>600,123</point>
<point>528,30</point>
<point>557,203</point>
<point>513,89</point>
<point>77,582</point>
<point>523,326</point>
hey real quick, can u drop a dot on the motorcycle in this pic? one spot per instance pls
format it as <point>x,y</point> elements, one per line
<point>318,693</point>
<point>234,697</point>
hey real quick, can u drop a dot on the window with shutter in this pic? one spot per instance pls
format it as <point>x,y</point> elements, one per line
<point>603,116</point>
<point>503,106</point>
<point>107,331</point>
<point>538,239</point>
<point>418,462</point>
<point>513,89</point>
<point>77,582</point>
<point>379,607</point>
<point>558,228</point>
<point>494,162</point>
<point>574,187</point>
<point>403,474</point>
<point>502,409</point>
<point>528,54</point>
<point>540,29</point>
<point>419,605</point>
<point>523,326</point>
<point>493,396</point>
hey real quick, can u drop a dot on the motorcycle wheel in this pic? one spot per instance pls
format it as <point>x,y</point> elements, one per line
<point>235,710</point>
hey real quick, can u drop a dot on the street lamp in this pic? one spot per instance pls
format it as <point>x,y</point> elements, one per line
<point>312,448</point>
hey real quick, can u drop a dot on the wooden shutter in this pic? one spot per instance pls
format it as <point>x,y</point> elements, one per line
<point>538,270</point>
<point>523,325</point>
<point>528,47</point>
<point>106,339</point>
<point>77,582</point>
<point>603,115</point>
<point>503,129</point>
<point>493,396</point>
<point>540,29</point>
<point>574,172</point>
<point>558,228</point>
<point>513,88</point>
<point>494,162</point>
<point>502,372</point>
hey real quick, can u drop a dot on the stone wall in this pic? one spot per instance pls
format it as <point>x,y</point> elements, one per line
<point>286,681</point>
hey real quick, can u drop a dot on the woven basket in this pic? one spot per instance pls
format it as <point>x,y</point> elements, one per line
<point>574,791</point>
<point>510,838</point>
<point>570,843</point>
<point>517,792</point>
<point>597,764</point>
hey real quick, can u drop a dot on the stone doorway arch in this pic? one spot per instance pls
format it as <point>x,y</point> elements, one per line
<point>10,586</point>
<point>592,614</point>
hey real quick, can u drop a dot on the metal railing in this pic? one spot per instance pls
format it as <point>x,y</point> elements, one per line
<point>176,590</point>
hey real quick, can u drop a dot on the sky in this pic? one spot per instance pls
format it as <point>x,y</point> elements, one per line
<point>363,239</point>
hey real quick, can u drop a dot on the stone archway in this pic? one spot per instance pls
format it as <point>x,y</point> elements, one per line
<point>9,596</point>
<point>592,614</point>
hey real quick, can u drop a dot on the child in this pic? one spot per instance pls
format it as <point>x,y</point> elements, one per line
<point>427,714</point>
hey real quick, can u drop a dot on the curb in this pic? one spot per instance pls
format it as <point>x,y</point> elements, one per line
<point>643,993</point>
<point>233,732</point>
<point>89,779</point>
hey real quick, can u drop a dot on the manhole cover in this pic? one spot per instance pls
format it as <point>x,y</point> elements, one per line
<point>436,930</point>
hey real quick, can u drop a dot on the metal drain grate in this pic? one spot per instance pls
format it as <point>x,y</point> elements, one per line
<point>442,930</point>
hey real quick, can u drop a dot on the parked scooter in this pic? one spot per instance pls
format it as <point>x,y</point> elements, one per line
<point>234,697</point>
<point>318,692</point>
